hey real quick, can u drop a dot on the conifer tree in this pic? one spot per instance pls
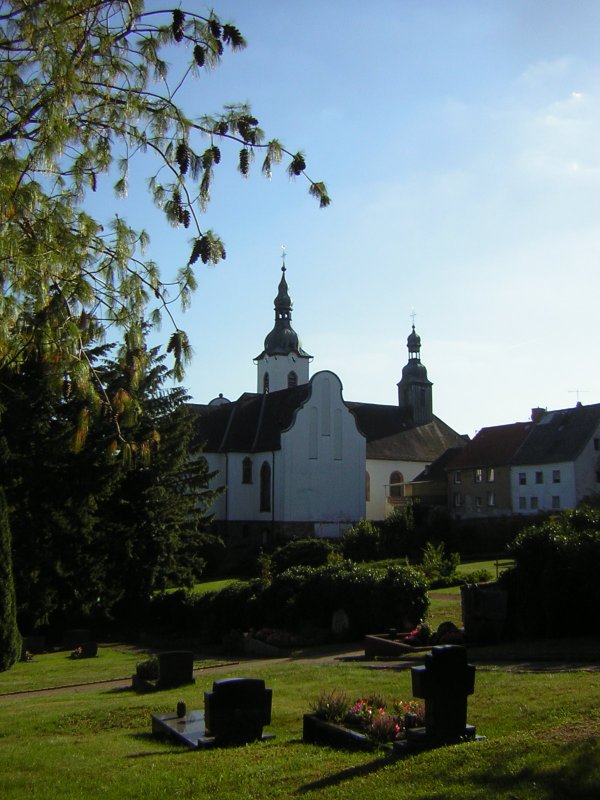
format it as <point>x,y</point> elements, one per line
<point>10,639</point>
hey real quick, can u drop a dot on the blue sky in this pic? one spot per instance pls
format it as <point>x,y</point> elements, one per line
<point>460,142</point>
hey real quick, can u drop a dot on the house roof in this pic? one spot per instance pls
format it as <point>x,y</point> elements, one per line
<point>559,435</point>
<point>492,447</point>
<point>253,423</point>
<point>391,433</point>
<point>436,471</point>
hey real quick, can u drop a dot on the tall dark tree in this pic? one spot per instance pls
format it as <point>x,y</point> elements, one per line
<point>155,523</point>
<point>10,639</point>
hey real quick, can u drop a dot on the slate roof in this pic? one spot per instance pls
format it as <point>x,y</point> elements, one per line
<point>436,471</point>
<point>492,447</point>
<point>391,434</point>
<point>252,424</point>
<point>559,435</point>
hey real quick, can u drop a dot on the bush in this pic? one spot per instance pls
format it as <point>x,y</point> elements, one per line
<point>554,583</point>
<point>10,638</point>
<point>362,542</point>
<point>301,552</point>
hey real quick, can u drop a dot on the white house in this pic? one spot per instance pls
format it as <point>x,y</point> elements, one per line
<point>295,458</point>
<point>558,464</point>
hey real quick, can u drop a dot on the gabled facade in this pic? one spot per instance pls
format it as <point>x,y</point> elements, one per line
<point>558,465</point>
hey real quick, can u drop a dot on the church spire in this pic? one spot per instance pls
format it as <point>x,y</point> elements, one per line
<point>283,363</point>
<point>414,388</point>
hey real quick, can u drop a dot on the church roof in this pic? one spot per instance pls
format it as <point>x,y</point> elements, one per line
<point>391,433</point>
<point>253,423</point>
<point>559,435</point>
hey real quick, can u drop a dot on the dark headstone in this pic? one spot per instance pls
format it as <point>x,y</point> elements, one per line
<point>175,668</point>
<point>444,682</point>
<point>237,709</point>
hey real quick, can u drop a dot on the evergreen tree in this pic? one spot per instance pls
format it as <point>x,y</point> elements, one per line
<point>10,639</point>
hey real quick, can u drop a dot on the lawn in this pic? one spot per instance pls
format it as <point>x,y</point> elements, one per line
<point>541,726</point>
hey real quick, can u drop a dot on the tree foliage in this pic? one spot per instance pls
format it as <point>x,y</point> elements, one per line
<point>94,528</point>
<point>85,88</point>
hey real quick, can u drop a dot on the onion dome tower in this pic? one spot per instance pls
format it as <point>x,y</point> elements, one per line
<point>283,363</point>
<point>414,389</point>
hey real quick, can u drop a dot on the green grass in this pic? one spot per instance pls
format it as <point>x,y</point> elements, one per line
<point>541,727</point>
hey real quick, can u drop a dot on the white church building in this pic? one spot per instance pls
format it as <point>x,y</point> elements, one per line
<point>295,458</point>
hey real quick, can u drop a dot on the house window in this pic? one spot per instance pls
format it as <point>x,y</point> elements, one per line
<point>367,487</point>
<point>555,501</point>
<point>491,499</point>
<point>396,487</point>
<point>491,474</point>
<point>478,475</point>
<point>522,503</point>
<point>457,499</point>
<point>533,503</point>
<point>247,470</point>
<point>596,444</point>
<point>266,383</point>
<point>539,477</point>
<point>265,487</point>
<point>555,476</point>
<point>522,479</point>
<point>292,379</point>
<point>457,477</point>
<point>478,502</point>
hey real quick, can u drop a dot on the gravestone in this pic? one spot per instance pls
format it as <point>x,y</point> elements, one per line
<point>237,709</point>
<point>444,682</point>
<point>235,712</point>
<point>175,668</point>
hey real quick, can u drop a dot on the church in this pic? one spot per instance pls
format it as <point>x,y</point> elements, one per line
<point>295,459</point>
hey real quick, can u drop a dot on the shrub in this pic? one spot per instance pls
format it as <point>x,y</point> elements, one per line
<point>435,564</point>
<point>10,639</point>
<point>301,552</point>
<point>362,542</point>
<point>554,583</point>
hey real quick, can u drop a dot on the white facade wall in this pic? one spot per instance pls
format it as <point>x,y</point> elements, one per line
<point>320,467</point>
<point>317,476</point>
<point>587,468</point>
<point>278,368</point>
<point>380,470</point>
<point>556,491</point>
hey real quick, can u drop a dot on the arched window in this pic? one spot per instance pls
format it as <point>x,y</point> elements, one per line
<point>266,383</point>
<point>265,487</point>
<point>247,470</point>
<point>292,379</point>
<point>367,487</point>
<point>396,487</point>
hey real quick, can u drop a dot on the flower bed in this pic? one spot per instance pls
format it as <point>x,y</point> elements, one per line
<point>364,724</point>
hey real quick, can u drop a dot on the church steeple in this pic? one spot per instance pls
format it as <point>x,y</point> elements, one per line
<point>414,389</point>
<point>283,363</point>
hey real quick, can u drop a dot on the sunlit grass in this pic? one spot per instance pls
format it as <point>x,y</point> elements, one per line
<point>541,727</point>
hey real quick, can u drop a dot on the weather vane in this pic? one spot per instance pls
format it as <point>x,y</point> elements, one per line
<point>283,257</point>
<point>413,315</point>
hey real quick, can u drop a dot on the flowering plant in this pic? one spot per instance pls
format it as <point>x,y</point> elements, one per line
<point>381,721</point>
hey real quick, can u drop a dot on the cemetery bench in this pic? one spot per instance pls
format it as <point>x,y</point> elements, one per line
<point>235,712</point>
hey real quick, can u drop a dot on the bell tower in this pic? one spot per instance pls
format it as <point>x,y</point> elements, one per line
<point>283,363</point>
<point>414,388</point>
